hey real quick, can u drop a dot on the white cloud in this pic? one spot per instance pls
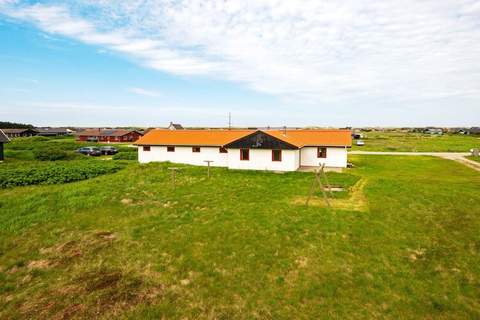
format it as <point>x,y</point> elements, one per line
<point>144,92</point>
<point>91,113</point>
<point>325,52</point>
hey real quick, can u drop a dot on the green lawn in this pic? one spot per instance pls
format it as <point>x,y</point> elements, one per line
<point>402,141</point>
<point>241,245</point>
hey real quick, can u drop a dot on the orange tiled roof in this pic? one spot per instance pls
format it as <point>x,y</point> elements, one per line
<point>192,137</point>
<point>298,138</point>
<point>304,138</point>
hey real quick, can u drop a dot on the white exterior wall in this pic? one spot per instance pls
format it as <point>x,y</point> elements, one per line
<point>184,155</point>
<point>261,159</point>
<point>336,157</point>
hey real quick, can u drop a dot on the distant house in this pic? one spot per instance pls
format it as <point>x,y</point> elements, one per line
<point>17,133</point>
<point>433,131</point>
<point>357,136</point>
<point>459,130</point>
<point>278,150</point>
<point>474,130</point>
<point>108,135</point>
<point>175,126</point>
<point>3,139</point>
<point>53,132</point>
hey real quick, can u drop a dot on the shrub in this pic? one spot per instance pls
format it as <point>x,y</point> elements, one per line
<point>126,149</point>
<point>50,154</point>
<point>125,156</point>
<point>19,154</point>
<point>16,174</point>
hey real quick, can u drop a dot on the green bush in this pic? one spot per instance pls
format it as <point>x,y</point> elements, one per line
<point>22,174</point>
<point>34,143</point>
<point>19,154</point>
<point>126,149</point>
<point>50,154</point>
<point>125,156</point>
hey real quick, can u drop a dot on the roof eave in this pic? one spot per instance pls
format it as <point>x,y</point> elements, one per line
<point>176,145</point>
<point>326,145</point>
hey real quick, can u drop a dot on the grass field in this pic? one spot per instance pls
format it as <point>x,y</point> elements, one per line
<point>408,142</point>
<point>243,246</point>
<point>26,149</point>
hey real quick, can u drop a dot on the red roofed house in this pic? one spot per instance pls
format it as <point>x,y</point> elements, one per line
<point>108,135</point>
<point>279,150</point>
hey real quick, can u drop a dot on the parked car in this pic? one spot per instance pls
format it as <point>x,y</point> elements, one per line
<point>90,151</point>
<point>108,150</point>
<point>360,143</point>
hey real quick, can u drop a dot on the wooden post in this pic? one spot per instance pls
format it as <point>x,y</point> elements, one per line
<point>317,177</point>
<point>312,190</point>
<point>208,167</point>
<point>326,179</point>
<point>318,182</point>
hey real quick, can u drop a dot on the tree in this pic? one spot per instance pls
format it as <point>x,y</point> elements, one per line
<point>13,125</point>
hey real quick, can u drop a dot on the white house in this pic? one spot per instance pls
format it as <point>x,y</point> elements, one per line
<point>278,150</point>
<point>175,126</point>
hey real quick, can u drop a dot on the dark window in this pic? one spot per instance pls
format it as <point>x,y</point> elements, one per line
<point>170,149</point>
<point>195,149</point>
<point>146,148</point>
<point>223,150</point>
<point>276,155</point>
<point>245,154</point>
<point>321,152</point>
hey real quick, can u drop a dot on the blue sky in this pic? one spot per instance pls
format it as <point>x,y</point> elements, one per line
<point>145,63</point>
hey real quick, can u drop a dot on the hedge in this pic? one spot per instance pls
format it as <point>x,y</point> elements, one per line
<point>126,156</point>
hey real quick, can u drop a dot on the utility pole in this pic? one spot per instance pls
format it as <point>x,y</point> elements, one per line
<point>229,120</point>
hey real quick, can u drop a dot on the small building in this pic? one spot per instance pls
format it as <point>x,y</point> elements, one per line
<point>53,132</point>
<point>467,131</point>
<point>433,131</point>
<point>3,139</point>
<point>357,136</point>
<point>174,126</point>
<point>277,150</point>
<point>459,130</point>
<point>474,130</point>
<point>108,135</point>
<point>18,133</point>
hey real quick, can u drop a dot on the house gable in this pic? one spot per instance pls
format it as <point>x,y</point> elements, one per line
<point>3,137</point>
<point>260,140</point>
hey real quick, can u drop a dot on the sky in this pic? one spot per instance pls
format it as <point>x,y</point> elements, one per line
<point>267,62</point>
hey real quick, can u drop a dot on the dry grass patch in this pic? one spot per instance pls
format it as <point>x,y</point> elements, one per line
<point>92,294</point>
<point>356,200</point>
<point>63,254</point>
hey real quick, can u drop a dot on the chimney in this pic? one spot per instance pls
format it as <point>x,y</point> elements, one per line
<point>284,130</point>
